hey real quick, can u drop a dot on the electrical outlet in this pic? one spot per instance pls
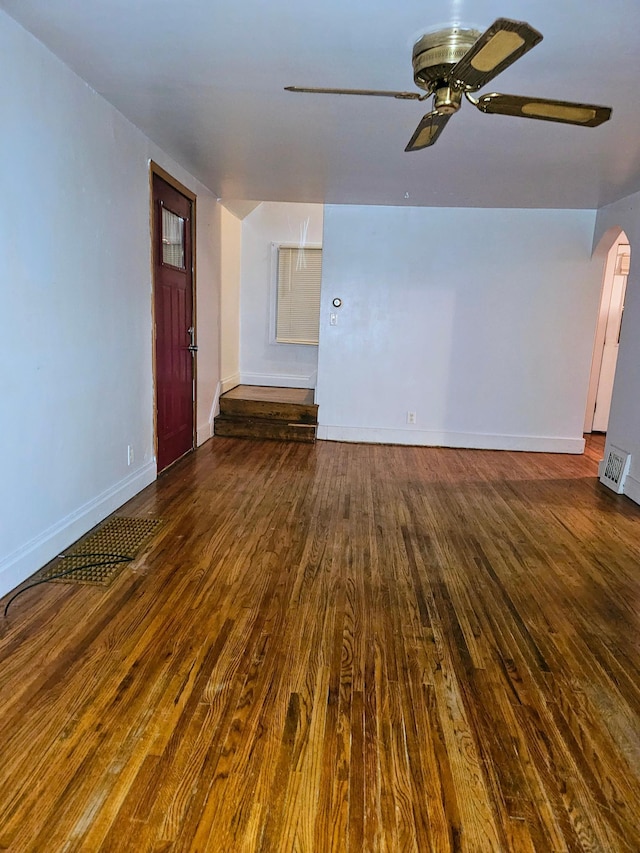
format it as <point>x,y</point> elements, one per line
<point>411,417</point>
<point>130,454</point>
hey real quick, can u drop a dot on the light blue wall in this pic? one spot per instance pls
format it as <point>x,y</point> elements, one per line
<point>479,321</point>
<point>76,383</point>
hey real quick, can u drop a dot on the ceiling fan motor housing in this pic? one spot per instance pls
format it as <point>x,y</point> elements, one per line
<point>435,54</point>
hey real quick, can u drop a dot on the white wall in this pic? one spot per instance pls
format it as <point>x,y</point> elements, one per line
<point>76,340</point>
<point>262,360</point>
<point>479,321</point>
<point>230,262</point>
<point>624,419</point>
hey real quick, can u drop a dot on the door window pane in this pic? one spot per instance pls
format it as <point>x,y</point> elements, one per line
<point>172,239</point>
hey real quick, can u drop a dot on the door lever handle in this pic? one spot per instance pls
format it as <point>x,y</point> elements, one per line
<point>193,349</point>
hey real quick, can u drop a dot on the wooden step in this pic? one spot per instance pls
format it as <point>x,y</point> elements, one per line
<point>269,409</point>
<point>289,404</point>
<point>236,426</point>
<point>256,411</point>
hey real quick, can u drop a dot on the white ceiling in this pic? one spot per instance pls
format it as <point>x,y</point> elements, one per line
<point>204,79</point>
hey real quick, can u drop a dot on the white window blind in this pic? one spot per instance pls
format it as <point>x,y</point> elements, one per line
<point>298,308</point>
<point>172,239</point>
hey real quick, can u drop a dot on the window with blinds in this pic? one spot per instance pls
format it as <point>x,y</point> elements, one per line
<point>298,296</point>
<point>172,239</point>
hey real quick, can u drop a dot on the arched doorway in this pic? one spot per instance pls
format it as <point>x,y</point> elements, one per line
<point>616,250</point>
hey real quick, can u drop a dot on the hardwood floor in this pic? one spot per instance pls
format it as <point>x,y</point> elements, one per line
<point>338,647</point>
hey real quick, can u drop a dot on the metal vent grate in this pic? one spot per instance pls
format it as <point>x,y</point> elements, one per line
<point>615,469</point>
<point>99,557</point>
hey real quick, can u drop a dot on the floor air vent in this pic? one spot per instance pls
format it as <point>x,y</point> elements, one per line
<point>100,556</point>
<point>614,469</point>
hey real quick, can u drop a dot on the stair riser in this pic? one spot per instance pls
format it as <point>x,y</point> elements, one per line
<point>263,429</point>
<point>289,412</point>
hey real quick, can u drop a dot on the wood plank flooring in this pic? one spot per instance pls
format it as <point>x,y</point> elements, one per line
<point>338,647</point>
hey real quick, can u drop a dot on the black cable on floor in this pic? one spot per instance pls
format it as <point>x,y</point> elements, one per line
<point>117,558</point>
<point>113,558</point>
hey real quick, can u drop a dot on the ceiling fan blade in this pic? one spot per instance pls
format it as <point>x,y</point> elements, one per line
<point>567,112</point>
<point>376,93</point>
<point>502,44</point>
<point>428,131</point>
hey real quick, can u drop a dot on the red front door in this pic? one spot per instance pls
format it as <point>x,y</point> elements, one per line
<point>174,323</point>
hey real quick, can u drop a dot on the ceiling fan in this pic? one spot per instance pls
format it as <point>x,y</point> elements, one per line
<point>453,62</point>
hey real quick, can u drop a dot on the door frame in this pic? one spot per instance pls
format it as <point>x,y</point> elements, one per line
<point>155,169</point>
